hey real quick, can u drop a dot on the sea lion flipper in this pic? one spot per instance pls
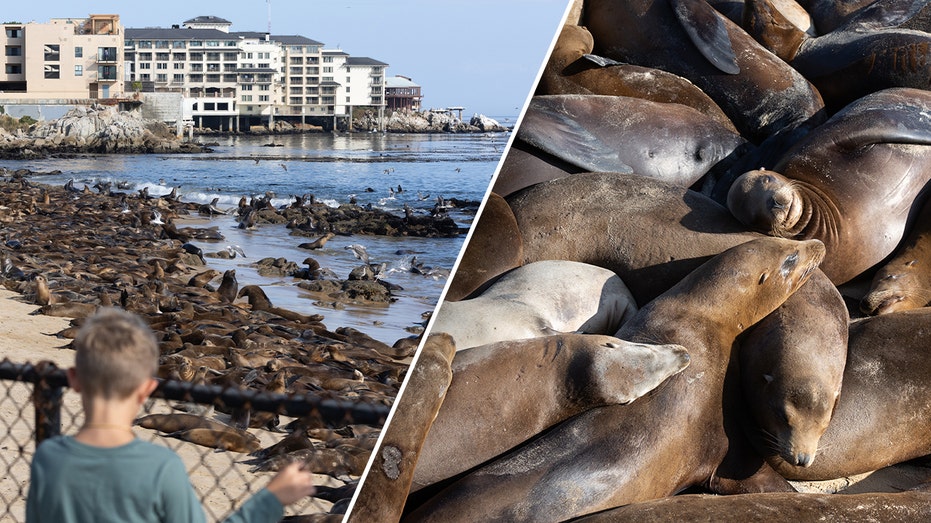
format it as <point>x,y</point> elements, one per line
<point>708,32</point>
<point>564,137</point>
<point>601,61</point>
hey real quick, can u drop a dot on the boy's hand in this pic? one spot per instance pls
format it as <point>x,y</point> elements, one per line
<point>292,484</point>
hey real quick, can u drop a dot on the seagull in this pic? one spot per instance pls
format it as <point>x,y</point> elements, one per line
<point>283,166</point>
<point>156,218</point>
<point>359,252</point>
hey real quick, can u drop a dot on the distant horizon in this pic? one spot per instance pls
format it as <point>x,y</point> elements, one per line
<point>481,54</point>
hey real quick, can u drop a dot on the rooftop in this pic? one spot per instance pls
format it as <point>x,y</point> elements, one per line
<point>208,20</point>
<point>363,60</point>
<point>399,81</point>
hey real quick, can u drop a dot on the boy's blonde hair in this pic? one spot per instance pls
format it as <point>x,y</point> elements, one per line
<point>116,352</point>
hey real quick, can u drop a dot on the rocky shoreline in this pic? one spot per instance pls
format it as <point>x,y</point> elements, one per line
<point>93,130</point>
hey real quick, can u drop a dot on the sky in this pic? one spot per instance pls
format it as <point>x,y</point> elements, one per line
<point>483,55</point>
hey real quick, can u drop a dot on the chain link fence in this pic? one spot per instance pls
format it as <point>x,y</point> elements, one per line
<point>333,436</point>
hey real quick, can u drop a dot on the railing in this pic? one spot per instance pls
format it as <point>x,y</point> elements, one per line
<point>36,404</point>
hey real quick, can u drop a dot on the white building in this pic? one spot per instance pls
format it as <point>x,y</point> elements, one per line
<point>235,79</point>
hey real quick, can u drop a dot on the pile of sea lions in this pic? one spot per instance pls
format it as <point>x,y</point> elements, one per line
<point>755,175</point>
<point>71,251</point>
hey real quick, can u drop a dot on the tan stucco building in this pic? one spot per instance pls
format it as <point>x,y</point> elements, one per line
<point>65,58</point>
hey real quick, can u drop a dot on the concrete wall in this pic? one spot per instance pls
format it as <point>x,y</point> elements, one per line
<point>39,112</point>
<point>165,107</point>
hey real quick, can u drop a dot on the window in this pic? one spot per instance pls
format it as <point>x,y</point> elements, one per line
<point>328,69</point>
<point>161,78</point>
<point>108,54</point>
<point>328,59</point>
<point>79,70</point>
<point>178,44</point>
<point>347,88</point>
<point>295,100</point>
<point>197,43</point>
<point>313,100</point>
<point>14,69</point>
<point>177,78</point>
<point>14,50</point>
<point>328,99</point>
<point>348,69</point>
<point>145,44</point>
<point>180,57</point>
<point>79,52</point>
<point>145,56</point>
<point>213,43</point>
<point>145,66</point>
<point>52,71</point>
<point>179,65</point>
<point>347,99</point>
<point>230,57</point>
<point>108,72</point>
<point>348,80</point>
<point>247,98</point>
<point>264,87</point>
<point>197,57</point>
<point>52,54</point>
<point>197,67</point>
<point>263,97</point>
<point>313,49</point>
<point>213,78</point>
<point>162,56</point>
<point>296,48</point>
<point>213,57</point>
<point>14,32</point>
<point>247,87</point>
<point>296,90</point>
<point>197,78</point>
<point>161,65</point>
<point>161,44</point>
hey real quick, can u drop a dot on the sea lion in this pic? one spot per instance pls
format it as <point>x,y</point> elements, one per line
<point>226,438</point>
<point>43,295</point>
<point>759,92</point>
<point>863,56</point>
<point>665,441</point>
<point>572,69</point>
<point>851,183</point>
<point>389,477</point>
<point>912,505</point>
<point>534,384</point>
<point>229,286</point>
<point>176,421</point>
<point>493,247</point>
<point>791,374</point>
<point>650,233</point>
<point>594,133</point>
<point>904,282</point>
<point>884,410</point>
<point>538,299</point>
<point>259,301</point>
<point>318,243</point>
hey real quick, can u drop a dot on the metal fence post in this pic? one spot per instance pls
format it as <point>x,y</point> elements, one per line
<point>47,401</point>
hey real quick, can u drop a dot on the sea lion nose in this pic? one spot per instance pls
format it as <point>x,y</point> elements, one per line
<point>803,459</point>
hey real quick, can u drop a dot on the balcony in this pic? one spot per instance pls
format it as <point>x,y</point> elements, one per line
<point>106,55</point>
<point>106,73</point>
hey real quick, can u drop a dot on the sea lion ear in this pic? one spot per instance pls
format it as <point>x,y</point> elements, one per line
<point>763,277</point>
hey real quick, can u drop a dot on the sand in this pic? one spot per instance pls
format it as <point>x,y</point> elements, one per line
<point>28,338</point>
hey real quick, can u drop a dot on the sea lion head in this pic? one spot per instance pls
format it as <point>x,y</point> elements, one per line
<point>798,413</point>
<point>766,201</point>
<point>895,288</point>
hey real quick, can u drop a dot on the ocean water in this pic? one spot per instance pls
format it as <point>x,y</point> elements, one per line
<point>334,168</point>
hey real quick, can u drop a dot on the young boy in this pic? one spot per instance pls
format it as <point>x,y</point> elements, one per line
<point>104,473</point>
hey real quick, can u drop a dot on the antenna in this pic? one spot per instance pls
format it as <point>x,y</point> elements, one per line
<point>269,3</point>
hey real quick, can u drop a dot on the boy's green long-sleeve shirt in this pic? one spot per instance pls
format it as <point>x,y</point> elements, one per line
<point>138,482</point>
